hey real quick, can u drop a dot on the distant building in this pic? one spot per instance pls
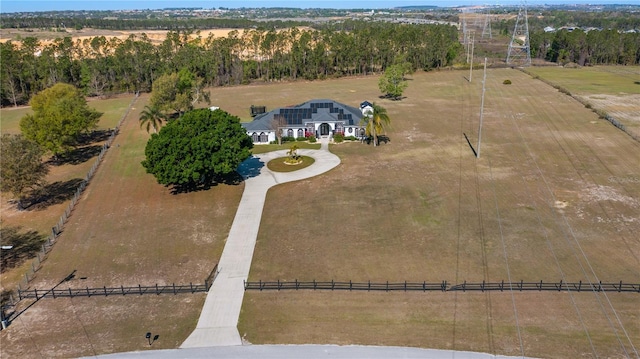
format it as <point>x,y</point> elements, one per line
<point>316,117</point>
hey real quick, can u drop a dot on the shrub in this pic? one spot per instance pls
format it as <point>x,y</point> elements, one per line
<point>312,138</point>
<point>301,139</point>
<point>506,82</point>
<point>288,139</point>
<point>351,138</point>
<point>338,137</point>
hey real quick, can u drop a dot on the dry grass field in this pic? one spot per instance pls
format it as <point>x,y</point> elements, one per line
<point>613,89</point>
<point>554,195</point>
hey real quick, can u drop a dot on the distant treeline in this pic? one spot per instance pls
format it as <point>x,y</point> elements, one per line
<point>585,38</point>
<point>169,23</point>
<point>595,47</point>
<point>105,66</point>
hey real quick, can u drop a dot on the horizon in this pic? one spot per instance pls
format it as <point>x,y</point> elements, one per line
<point>14,6</point>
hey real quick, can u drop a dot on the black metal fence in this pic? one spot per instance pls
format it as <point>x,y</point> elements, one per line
<point>443,286</point>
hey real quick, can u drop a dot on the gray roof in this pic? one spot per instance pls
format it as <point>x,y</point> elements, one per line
<point>319,110</point>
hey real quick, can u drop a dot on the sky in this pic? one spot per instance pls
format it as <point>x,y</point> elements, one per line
<point>7,6</point>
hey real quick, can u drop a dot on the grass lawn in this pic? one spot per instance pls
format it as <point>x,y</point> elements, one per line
<point>279,165</point>
<point>551,177</point>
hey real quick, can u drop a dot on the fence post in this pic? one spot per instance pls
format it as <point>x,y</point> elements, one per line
<point>122,289</point>
<point>620,287</point>
<point>464,286</point>
<point>579,285</point>
<point>70,295</point>
<point>35,291</point>
<point>296,283</point>
<point>157,289</point>
<point>105,291</point>
<point>540,289</point>
<point>387,286</point>
<point>502,286</point>
<point>53,291</point>
<point>350,285</point>
<point>560,286</point>
<point>261,285</point>
<point>278,284</point>
<point>482,287</point>
<point>332,284</point>
<point>369,288</point>
<point>314,284</point>
<point>88,294</point>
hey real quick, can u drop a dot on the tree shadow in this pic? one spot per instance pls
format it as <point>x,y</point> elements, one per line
<point>392,98</point>
<point>24,246</point>
<point>250,167</point>
<point>94,136</point>
<point>381,139</point>
<point>76,156</point>
<point>233,179</point>
<point>54,193</point>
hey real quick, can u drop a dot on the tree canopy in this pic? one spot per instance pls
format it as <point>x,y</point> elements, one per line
<point>197,148</point>
<point>177,92</point>
<point>392,83</point>
<point>21,166</point>
<point>60,116</point>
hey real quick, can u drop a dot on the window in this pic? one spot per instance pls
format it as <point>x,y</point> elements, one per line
<point>349,130</point>
<point>289,133</point>
<point>264,137</point>
<point>255,137</point>
<point>300,133</point>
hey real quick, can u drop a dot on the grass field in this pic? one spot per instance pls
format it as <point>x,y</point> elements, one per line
<point>613,89</point>
<point>554,195</point>
<point>551,177</point>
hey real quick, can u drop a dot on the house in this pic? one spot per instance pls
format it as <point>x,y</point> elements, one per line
<point>313,118</point>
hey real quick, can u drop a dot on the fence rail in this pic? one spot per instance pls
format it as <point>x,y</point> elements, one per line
<point>443,286</point>
<point>38,294</point>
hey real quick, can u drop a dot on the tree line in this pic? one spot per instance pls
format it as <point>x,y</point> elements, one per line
<point>595,47</point>
<point>101,65</point>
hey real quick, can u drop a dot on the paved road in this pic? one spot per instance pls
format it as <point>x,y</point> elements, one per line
<point>218,321</point>
<point>303,351</point>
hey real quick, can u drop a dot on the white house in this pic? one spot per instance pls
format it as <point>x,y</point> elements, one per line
<point>316,117</point>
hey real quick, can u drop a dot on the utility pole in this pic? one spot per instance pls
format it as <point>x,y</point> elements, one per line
<point>471,65</point>
<point>484,81</point>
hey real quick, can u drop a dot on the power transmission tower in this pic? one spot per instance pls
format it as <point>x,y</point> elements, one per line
<point>486,30</point>
<point>519,49</point>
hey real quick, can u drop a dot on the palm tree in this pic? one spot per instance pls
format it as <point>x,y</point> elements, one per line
<point>375,122</point>
<point>153,117</point>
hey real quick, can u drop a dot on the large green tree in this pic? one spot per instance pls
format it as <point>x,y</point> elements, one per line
<point>392,83</point>
<point>375,122</point>
<point>197,148</point>
<point>178,92</point>
<point>60,116</point>
<point>21,166</point>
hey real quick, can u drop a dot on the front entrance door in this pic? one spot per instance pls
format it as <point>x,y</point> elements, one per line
<point>324,129</point>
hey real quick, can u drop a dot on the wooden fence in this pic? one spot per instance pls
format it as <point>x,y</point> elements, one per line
<point>111,291</point>
<point>444,286</point>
